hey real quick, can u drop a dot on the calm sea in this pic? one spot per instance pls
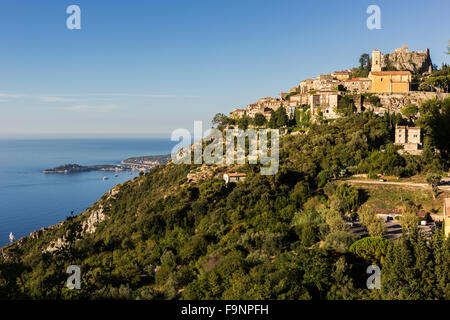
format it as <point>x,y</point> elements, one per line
<point>30,200</point>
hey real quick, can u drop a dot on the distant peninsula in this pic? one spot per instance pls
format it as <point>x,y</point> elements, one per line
<point>147,162</point>
<point>76,168</point>
<point>142,163</point>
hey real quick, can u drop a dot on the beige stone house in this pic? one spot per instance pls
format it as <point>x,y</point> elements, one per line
<point>341,75</point>
<point>358,85</point>
<point>234,177</point>
<point>410,138</point>
<point>307,85</point>
<point>237,113</point>
<point>299,99</point>
<point>325,102</point>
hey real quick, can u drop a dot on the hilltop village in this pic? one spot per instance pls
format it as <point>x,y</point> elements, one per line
<point>383,82</point>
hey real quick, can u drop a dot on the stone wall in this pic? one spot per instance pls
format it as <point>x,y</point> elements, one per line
<point>394,102</point>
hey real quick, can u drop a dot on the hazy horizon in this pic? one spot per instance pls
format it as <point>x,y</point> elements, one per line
<point>149,68</point>
<point>55,136</point>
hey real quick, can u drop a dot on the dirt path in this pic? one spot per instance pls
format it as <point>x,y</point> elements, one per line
<point>406,184</point>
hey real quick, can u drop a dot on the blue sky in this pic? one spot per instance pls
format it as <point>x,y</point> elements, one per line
<point>149,67</point>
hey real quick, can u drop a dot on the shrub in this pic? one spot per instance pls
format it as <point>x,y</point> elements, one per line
<point>370,249</point>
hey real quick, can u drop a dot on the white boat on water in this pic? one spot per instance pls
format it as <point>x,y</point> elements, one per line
<point>105,178</point>
<point>11,237</point>
<point>116,175</point>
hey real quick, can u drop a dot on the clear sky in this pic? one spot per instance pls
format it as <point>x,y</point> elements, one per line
<point>149,67</point>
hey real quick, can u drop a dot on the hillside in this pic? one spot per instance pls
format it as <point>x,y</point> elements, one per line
<point>162,236</point>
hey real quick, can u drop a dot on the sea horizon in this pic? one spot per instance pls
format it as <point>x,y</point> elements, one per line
<point>87,136</point>
<point>50,198</point>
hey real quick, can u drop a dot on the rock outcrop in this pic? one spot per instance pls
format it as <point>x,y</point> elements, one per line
<point>55,245</point>
<point>394,102</point>
<point>96,215</point>
<point>402,59</point>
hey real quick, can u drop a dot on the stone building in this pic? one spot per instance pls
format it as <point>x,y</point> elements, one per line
<point>446,217</point>
<point>325,102</point>
<point>410,138</point>
<point>253,109</point>
<point>341,75</point>
<point>267,113</point>
<point>298,99</point>
<point>387,81</point>
<point>283,95</point>
<point>358,85</point>
<point>325,82</point>
<point>376,60</point>
<point>237,113</point>
<point>321,93</point>
<point>234,177</point>
<point>294,89</point>
<point>390,81</point>
<point>307,85</point>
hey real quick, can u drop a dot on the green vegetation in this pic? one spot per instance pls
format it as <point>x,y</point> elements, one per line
<point>269,237</point>
<point>388,64</point>
<point>76,168</point>
<point>373,99</point>
<point>346,105</point>
<point>410,112</point>
<point>259,120</point>
<point>363,70</point>
<point>371,249</point>
<point>438,80</point>
<point>290,94</point>
<point>435,120</point>
<point>278,118</point>
<point>303,116</point>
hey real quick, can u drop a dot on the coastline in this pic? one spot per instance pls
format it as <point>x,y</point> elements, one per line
<point>50,198</point>
<point>141,163</point>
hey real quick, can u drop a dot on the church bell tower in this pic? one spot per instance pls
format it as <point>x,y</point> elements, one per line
<point>376,60</point>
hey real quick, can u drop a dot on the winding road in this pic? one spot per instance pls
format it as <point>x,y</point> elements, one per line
<point>405,184</point>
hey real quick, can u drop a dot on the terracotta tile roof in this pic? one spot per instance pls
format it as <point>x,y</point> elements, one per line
<point>388,73</point>
<point>388,211</point>
<point>236,174</point>
<point>422,213</point>
<point>357,79</point>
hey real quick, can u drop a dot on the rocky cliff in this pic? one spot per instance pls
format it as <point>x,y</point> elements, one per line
<point>402,59</point>
<point>394,102</point>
